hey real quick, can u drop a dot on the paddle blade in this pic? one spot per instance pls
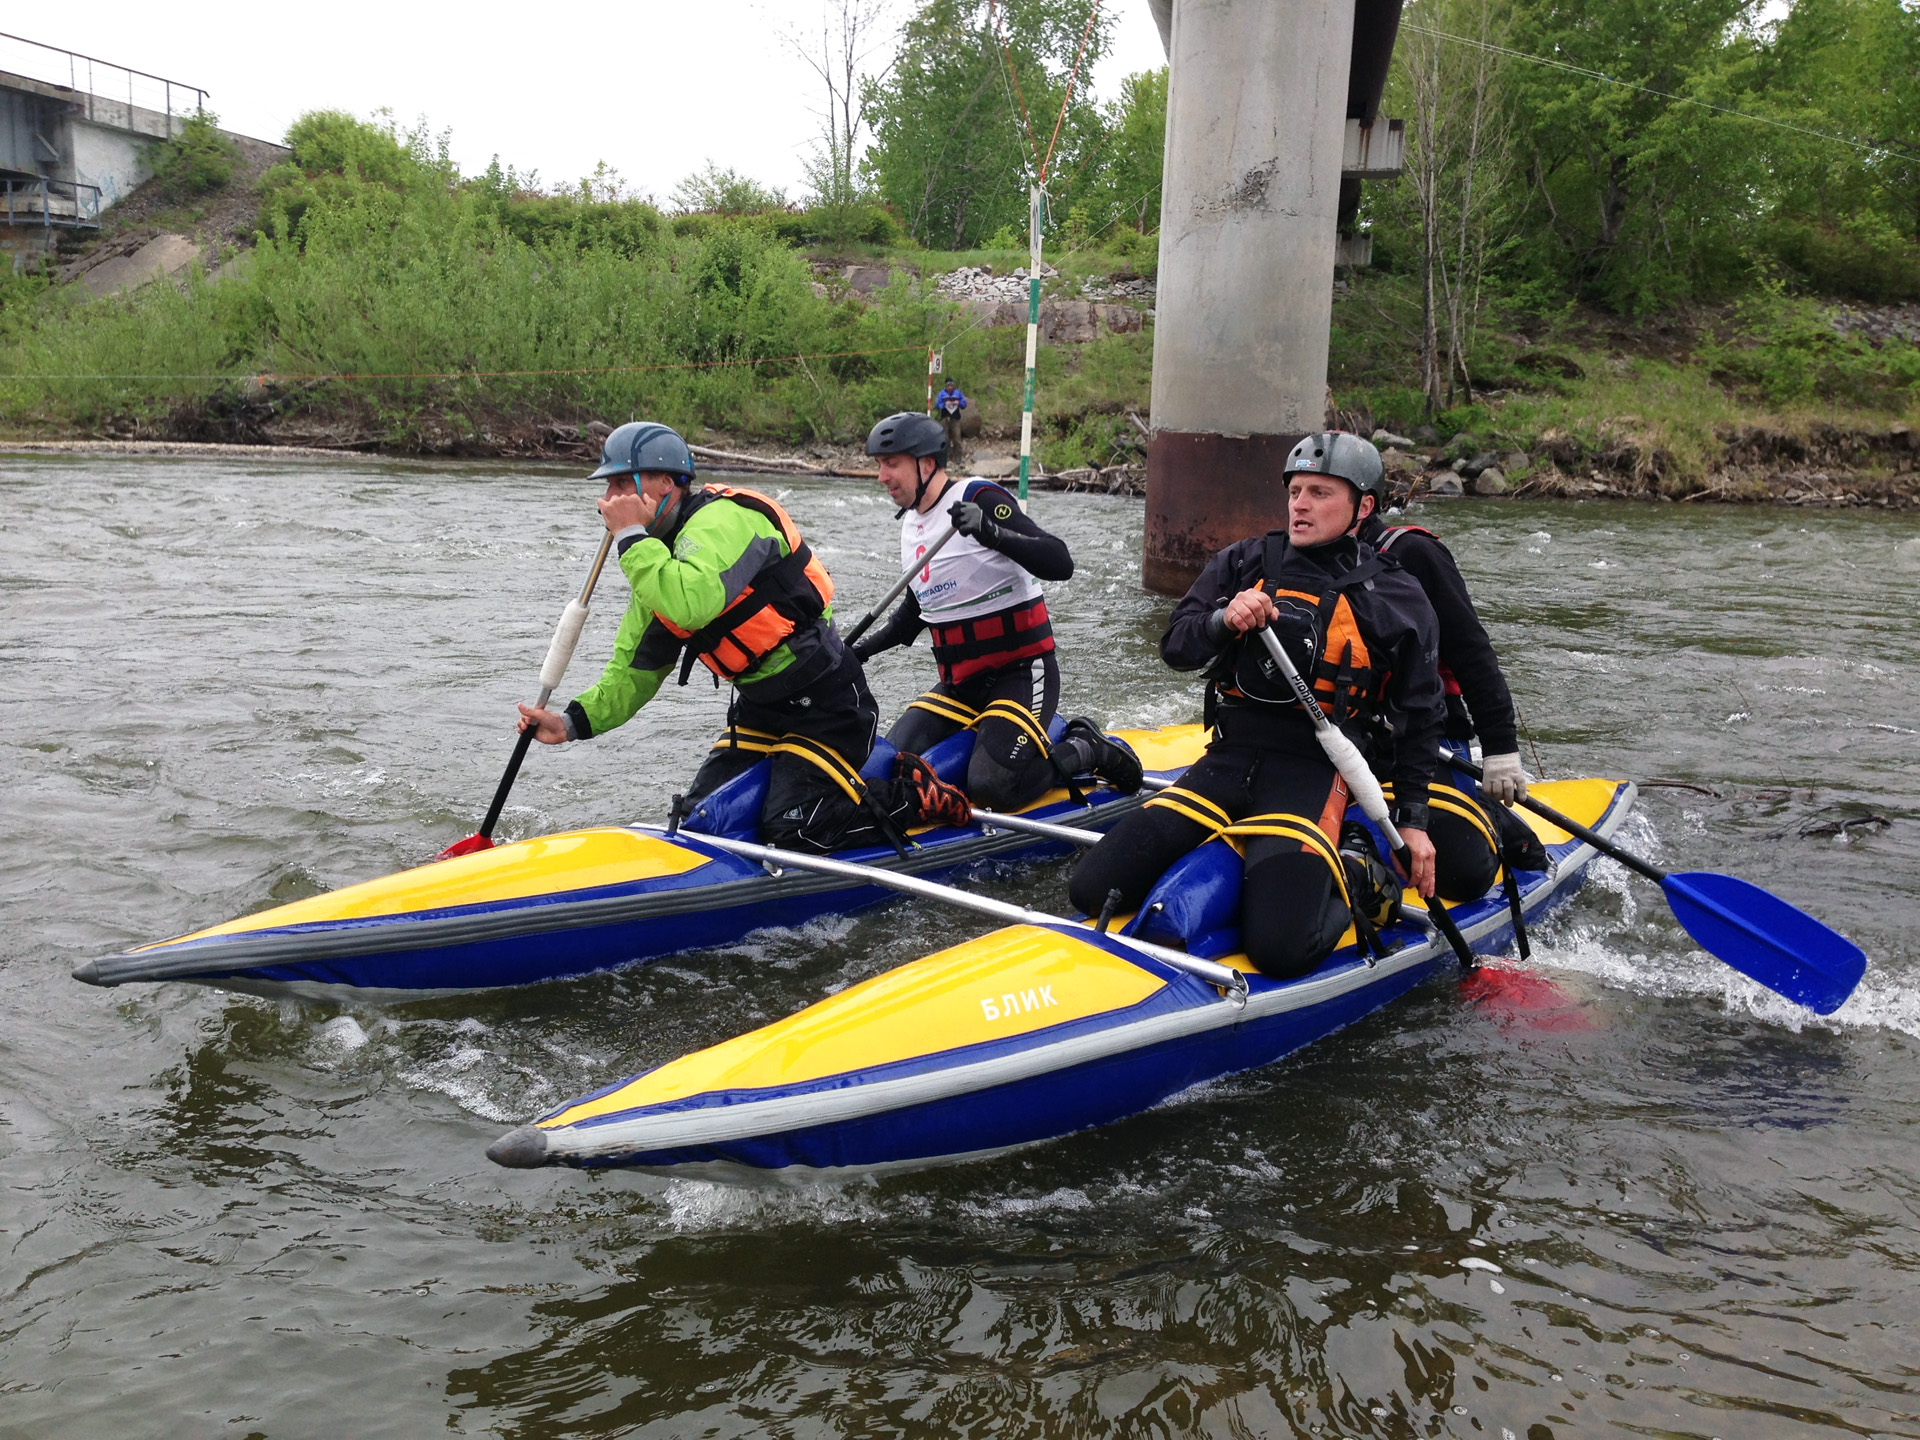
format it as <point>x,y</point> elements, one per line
<point>1762,936</point>
<point>472,845</point>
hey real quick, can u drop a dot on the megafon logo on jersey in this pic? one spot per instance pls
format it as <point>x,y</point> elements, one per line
<point>934,592</point>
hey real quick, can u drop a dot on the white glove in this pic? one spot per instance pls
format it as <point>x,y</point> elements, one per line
<point>1502,778</point>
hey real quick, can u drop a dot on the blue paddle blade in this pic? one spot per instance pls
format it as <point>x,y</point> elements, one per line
<point>1761,935</point>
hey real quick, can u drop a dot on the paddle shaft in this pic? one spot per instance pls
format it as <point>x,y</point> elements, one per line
<point>1072,834</point>
<point>1569,824</point>
<point>1224,976</point>
<point>555,666</point>
<point>1365,789</point>
<point>899,586</point>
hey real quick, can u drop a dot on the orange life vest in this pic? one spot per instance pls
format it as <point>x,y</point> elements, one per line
<point>783,595</point>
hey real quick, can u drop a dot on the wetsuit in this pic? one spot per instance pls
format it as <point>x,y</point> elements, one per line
<point>1362,633</point>
<point>727,582</point>
<point>992,640</point>
<point>1478,702</point>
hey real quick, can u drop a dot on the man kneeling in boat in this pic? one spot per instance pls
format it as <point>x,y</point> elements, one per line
<point>1362,633</point>
<point>1468,851</point>
<point>722,576</point>
<point>992,636</point>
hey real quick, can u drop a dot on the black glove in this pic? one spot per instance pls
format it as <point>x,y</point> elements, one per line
<point>865,650</point>
<point>969,519</point>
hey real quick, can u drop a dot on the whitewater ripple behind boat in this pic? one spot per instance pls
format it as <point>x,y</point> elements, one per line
<point>1025,1034</point>
<point>584,900</point>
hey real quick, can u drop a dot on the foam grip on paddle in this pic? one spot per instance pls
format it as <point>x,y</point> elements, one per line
<point>572,620</point>
<point>1347,759</point>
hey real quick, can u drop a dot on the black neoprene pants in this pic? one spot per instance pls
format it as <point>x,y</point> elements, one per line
<point>1292,912</point>
<point>831,720</point>
<point>1009,769</point>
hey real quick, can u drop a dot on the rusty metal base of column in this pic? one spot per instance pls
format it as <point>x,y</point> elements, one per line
<point>1203,493</point>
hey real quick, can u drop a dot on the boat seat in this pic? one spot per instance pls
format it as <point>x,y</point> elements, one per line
<point>879,764</point>
<point>1195,904</point>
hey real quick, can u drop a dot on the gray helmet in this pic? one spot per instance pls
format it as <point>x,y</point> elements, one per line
<point>909,433</point>
<point>644,445</point>
<point>1344,456</point>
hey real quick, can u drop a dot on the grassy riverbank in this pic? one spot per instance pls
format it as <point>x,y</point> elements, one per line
<point>387,303</point>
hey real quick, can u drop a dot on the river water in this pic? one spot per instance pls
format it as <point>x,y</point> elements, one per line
<point>231,683</point>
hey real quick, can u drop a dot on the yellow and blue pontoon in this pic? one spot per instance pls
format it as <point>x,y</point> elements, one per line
<point>1028,1033</point>
<point>586,900</point>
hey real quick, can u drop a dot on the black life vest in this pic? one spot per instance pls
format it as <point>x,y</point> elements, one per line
<point>1319,631</point>
<point>1448,682</point>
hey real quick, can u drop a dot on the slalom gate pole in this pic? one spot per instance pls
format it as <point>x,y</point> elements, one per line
<point>1035,197</point>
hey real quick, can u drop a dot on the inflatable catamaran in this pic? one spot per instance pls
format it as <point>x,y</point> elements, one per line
<point>1028,1033</point>
<point>587,900</point>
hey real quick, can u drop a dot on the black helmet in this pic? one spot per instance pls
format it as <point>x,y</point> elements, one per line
<point>909,433</point>
<point>644,445</point>
<point>1344,456</point>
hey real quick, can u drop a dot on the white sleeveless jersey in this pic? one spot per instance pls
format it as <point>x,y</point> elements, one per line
<point>965,580</point>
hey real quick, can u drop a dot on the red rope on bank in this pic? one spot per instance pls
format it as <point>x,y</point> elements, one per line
<point>1067,99</point>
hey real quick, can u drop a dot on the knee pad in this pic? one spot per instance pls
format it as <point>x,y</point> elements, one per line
<point>993,786</point>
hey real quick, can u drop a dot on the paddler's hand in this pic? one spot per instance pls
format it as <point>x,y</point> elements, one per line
<point>1503,779</point>
<point>622,512</point>
<point>1249,610</point>
<point>1420,851</point>
<point>548,728</point>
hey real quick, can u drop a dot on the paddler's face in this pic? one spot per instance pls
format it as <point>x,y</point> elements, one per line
<point>901,476</point>
<point>1320,508</point>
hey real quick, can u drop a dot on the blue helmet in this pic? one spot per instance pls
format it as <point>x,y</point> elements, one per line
<point>644,445</point>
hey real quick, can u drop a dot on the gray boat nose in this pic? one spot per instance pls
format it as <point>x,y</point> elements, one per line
<point>87,972</point>
<point>522,1149</point>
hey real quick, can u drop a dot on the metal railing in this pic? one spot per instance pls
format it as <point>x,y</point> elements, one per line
<point>98,79</point>
<point>63,203</point>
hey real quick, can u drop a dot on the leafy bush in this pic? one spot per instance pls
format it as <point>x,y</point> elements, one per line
<point>197,161</point>
<point>1787,349</point>
<point>1861,258</point>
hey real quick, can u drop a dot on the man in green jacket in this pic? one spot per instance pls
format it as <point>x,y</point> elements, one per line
<point>721,576</point>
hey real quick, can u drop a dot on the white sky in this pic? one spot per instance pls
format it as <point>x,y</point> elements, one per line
<point>653,89</point>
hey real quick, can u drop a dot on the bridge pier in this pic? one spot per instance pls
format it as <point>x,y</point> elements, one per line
<point>1257,111</point>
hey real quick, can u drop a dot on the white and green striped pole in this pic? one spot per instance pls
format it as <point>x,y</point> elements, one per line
<point>1033,334</point>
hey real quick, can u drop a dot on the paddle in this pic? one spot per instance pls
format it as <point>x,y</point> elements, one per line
<point>565,637</point>
<point>899,585</point>
<point>1366,791</point>
<point>1224,976</point>
<point>1753,930</point>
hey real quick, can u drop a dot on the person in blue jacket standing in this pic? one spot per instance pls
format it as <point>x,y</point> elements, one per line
<point>947,406</point>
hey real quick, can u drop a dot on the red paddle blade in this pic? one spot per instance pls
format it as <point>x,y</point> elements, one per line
<point>472,845</point>
<point>1514,995</point>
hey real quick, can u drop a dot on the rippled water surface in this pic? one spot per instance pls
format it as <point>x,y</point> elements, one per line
<point>231,684</point>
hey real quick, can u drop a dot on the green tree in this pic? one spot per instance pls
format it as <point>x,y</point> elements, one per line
<point>1118,182</point>
<point>1635,198</point>
<point>964,117</point>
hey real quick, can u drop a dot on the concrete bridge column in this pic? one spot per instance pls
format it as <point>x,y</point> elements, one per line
<point>1256,111</point>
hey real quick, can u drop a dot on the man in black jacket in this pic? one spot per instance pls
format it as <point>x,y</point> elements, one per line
<point>1478,703</point>
<point>1361,632</point>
